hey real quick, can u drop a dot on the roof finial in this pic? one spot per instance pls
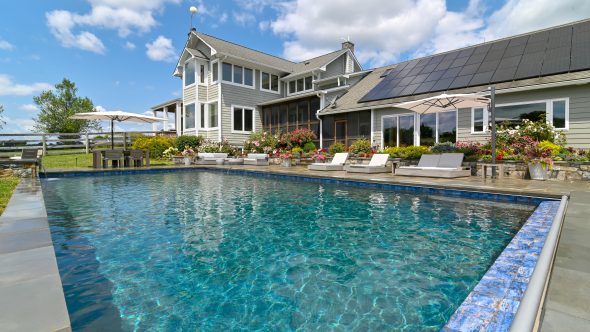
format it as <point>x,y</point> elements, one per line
<point>193,11</point>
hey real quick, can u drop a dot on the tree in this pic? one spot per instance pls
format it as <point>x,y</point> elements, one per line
<point>57,106</point>
<point>2,122</point>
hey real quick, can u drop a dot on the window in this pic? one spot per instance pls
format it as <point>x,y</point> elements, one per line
<point>213,115</point>
<point>238,75</point>
<point>189,116</point>
<point>438,128</point>
<point>398,130</point>
<point>202,118</point>
<point>189,73</point>
<point>269,82</point>
<point>215,71</point>
<point>554,111</point>
<point>243,119</point>
<point>202,74</point>
<point>389,131</point>
<point>300,85</point>
<point>406,130</point>
<point>227,72</point>
<point>479,118</point>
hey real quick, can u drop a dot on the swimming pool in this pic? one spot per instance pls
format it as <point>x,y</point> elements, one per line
<point>211,251</point>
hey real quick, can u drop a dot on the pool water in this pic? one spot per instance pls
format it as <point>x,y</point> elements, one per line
<point>209,251</point>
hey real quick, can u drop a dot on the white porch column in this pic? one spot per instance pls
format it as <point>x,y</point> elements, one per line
<point>155,124</point>
<point>178,118</point>
<point>166,128</point>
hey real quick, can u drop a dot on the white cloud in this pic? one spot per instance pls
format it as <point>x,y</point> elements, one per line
<point>4,45</point>
<point>9,88</point>
<point>161,49</point>
<point>32,108</point>
<point>99,108</point>
<point>387,31</point>
<point>18,125</point>
<point>129,45</point>
<point>124,16</point>
<point>243,18</point>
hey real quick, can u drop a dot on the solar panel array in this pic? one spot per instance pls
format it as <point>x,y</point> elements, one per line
<point>549,52</point>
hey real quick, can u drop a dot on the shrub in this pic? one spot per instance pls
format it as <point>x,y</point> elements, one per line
<point>362,145</point>
<point>471,150</point>
<point>337,148</point>
<point>260,142</point>
<point>218,147</point>
<point>189,140</point>
<point>537,130</point>
<point>408,152</point>
<point>554,148</point>
<point>170,152</point>
<point>446,147</point>
<point>392,151</point>
<point>309,147</point>
<point>300,137</point>
<point>156,145</point>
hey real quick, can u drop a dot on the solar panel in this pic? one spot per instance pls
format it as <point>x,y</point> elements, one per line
<point>549,52</point>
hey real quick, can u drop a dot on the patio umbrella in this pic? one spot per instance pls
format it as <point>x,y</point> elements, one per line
<point>116,116</point>
<point>448,102</point>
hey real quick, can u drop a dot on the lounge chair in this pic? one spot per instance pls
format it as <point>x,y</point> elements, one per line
<point>378,164</point>
<point>337,163</point>
<point>205,158</point>
<point>28,158</point>
<point>257,159</point>
<point>446,165</point>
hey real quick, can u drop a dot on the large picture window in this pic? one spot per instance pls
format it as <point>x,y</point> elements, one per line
<point>238,75</point>
<point>189,73</point>
<point>189,116</point>
<point>438,128</point>
<point>242,119</point>
<point>397,130</point>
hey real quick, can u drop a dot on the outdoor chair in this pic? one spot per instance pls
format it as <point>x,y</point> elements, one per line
<point>337,163</point>
<point>205,158</point>
<point>135,158</point>
<point>116,158</point>
<point>378,164</point>
<point>446,165</point>
<point>256,159</point>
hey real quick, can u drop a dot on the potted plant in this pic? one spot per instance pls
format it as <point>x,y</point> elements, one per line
<point>319,156</point>
<point>538,160</point>
<point>286,158</point>
<point>188,153</point>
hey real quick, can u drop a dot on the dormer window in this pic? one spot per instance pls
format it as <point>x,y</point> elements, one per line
<point>301,85</point>
<point>269,82</point>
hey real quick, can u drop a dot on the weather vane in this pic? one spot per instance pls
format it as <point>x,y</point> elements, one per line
<point>193,11</point>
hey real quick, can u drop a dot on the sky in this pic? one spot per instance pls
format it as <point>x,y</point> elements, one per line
<point>122,53</point>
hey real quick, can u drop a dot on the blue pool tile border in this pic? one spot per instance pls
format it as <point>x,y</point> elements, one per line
<point>472,194</point>
<point>492,304</point>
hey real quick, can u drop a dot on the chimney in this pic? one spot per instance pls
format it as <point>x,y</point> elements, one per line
<point>348,44</point>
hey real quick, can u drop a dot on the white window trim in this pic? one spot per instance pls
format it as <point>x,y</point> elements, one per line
<point>397,123</point>
<point>184,120</point>
<point>548,111</point>
<point>270,83</point>
<point>207,125</point>
<point>302,91</point>
<point>184,74</point>
<point>218,71</point>
<point>486,121</point>
<point>437,136</point>
<point>243,119</point>
<point>253,86</point>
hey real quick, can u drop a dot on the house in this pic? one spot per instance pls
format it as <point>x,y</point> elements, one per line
<point>230,90</point>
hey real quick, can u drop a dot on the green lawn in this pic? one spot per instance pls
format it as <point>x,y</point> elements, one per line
<point>83,160</point>
<point>7,185</point>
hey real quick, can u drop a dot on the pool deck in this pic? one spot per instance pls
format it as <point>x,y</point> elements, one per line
<point>566,306</point>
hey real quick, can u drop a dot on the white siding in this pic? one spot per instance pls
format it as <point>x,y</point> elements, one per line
<point>203,93</point>
<point>190,94</point>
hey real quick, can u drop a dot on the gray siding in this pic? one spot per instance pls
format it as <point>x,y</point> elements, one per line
<point>203,93</point>
<point>213,92</point>
<point>464,128</point>
<point>336,67</point>
<point>190,94</point>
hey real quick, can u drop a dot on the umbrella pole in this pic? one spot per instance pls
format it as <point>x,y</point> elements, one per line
<point>493,114</point>
<point>112,135</point>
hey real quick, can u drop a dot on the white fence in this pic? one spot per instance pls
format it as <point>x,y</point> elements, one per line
<point>68,143</point>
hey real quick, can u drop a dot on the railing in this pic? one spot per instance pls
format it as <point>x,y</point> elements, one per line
<point>69,143</point>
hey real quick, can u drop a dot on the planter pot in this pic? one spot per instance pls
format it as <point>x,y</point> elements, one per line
<point>537,171</point>
<point>187,161</point>
<point>286,163</point>
<point>178,160</point>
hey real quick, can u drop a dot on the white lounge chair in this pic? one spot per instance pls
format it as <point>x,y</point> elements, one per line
<point>256,159</point>
<point>446,165</point>
<point>206,158</point>
<point>337,163</point>
<point>378,164</point>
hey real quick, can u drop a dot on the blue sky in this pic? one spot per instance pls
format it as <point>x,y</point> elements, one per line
<point>121,53</point>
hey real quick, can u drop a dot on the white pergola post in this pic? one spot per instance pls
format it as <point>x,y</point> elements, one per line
<point>155,124</point>
<point>166,128</point>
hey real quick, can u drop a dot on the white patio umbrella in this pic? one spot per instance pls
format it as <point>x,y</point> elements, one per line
<point>116,116</point>
<point>448,102</point>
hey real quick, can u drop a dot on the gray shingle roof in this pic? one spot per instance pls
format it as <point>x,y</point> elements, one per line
<point>315,63</point>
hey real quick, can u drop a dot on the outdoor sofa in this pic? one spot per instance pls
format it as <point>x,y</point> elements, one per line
<point>378,164</point>
<point>446,165</point>
<point>256,159</point>
<point>337,163</point>
<point>207,158</point>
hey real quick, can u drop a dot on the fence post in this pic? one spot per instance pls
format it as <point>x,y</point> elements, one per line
<point>87,143</point>
<point>125,140</point>
<point>44,143</point>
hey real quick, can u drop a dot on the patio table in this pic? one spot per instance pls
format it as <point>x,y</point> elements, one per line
<point>98,156</point>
